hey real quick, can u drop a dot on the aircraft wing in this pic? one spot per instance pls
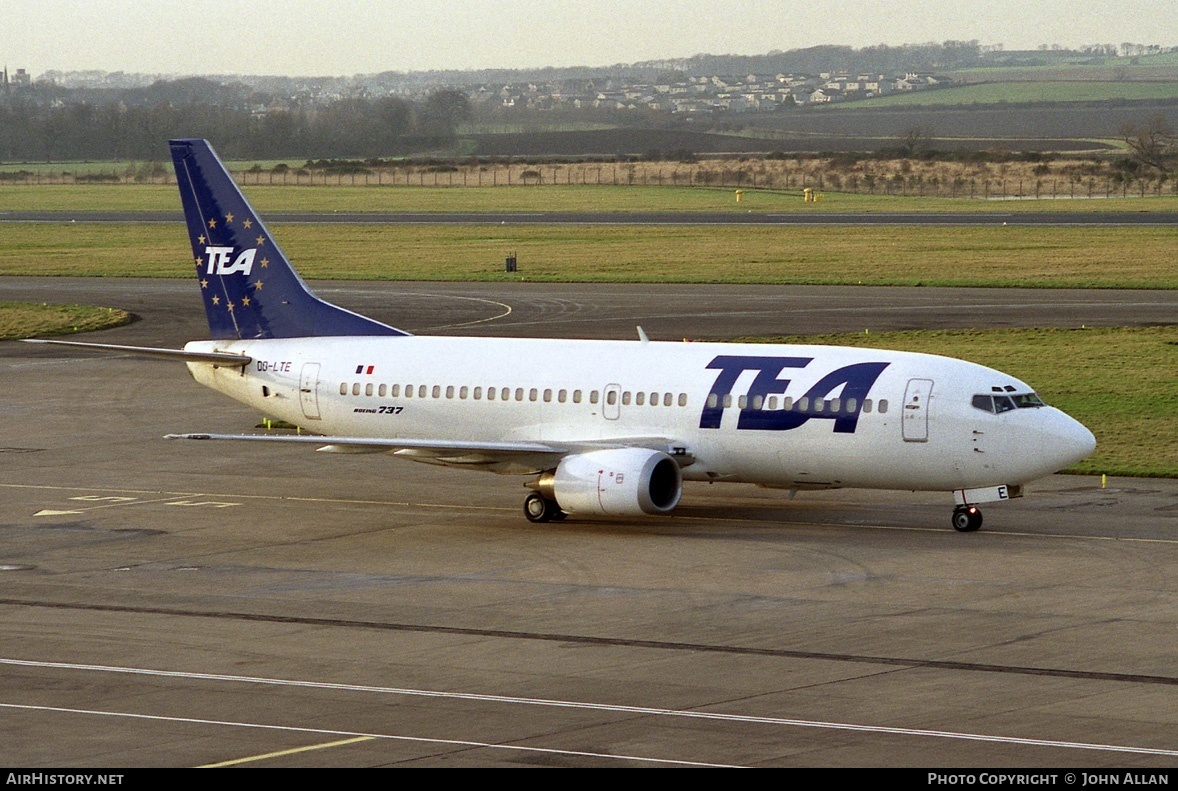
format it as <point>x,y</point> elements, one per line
<point>514,457</point>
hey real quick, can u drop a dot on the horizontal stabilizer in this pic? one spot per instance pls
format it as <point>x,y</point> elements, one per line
<point>220,358</point>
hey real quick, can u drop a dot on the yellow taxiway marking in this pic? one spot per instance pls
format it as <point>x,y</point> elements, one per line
<point>279,753</point>
<point>458,743</point>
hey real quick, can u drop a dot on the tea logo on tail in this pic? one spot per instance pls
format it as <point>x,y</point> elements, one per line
<point>218,258</point>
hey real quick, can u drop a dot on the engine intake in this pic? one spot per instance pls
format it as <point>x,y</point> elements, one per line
<point>615,482</point>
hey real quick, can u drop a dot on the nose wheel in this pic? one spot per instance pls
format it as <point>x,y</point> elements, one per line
<point>967,518</point>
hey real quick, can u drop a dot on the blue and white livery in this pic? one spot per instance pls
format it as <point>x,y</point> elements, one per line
<point>600,427</point>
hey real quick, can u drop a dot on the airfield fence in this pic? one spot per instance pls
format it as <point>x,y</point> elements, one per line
<point>943,180</point>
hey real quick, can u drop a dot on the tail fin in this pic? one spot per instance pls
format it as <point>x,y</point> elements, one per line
<point>250,289</point>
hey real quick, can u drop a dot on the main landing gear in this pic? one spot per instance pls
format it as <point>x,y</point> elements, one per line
<point>538,508</point>
<point>966,518</point>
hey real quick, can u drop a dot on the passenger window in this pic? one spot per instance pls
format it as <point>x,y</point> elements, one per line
<point>639,398</point>
<point>437,391</point>
<point>713,400</point>
<point>804,403</point>
<point>343,388</point>
<point>626,397</point>
<point>395,391</point>
<point>368,389</point>
<point>576,396</point>
<point>533,394</point>
<point>505,394</point>
<point>382,390</point>
<point>611,397</point>
<point>883,406</point>
<point>758,402</point>
<point>547,395</point>
<point>771,403</point>
<point>867,405</point>
<point>449,391</point>
<point>356,389</point>
<point>421,391</point>
<point>743,402</point>
<point>463,391</point>
<point>787,403</point>
<point>490,394</point>
<point>728,401</point>
<point>478,394</point>
<point>668,399</point>
<point>683,399</point>
<point>835,403</point>
<point>654,399</point>
<point>851,404</point>
<point>562,396</point>
<point>592,396</point>
<point>519,393</point>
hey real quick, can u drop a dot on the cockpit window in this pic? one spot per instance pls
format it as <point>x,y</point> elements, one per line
<point>1024,400</point>
<point>1003,404</point>
<point>997,404</point>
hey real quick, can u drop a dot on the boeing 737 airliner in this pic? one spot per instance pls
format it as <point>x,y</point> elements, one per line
<point>601,427</point>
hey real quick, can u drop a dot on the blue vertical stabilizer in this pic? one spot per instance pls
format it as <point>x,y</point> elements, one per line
<point>250,289</point>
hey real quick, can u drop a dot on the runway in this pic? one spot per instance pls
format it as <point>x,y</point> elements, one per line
<point>815,217</point>
<point>186,604</point>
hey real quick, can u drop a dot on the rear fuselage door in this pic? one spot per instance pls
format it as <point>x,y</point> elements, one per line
<point>309,390</point>
<point>916,406</point>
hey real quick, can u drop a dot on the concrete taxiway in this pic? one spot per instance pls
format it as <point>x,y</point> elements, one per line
<point>185,604</point>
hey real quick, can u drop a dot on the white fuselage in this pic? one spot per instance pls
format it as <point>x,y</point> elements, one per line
<point>912,427</point>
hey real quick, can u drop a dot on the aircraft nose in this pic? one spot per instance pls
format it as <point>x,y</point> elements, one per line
<point>1070,439</point>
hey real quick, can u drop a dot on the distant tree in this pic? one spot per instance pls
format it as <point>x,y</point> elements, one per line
<point>1153,143</point>
<point>917,141</point>
<point>442,113</point>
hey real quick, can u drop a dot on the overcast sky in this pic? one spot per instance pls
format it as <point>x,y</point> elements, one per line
<point>345,37</point>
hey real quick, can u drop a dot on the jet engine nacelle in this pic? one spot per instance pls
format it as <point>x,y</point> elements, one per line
<point>618,482</point>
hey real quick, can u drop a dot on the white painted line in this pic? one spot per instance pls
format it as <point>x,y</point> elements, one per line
<point>356,734</point>
<point>603,707</point>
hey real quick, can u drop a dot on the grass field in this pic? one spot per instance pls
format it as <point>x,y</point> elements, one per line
<point>1087,257</point>
<point>1134,415</point>
<point>25,319</point>
<point>153,197</point>
<point>1014,92</point>
<point>1071,68</point>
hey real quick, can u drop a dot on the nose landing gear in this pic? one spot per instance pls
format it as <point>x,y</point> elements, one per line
<point>967,518</point>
